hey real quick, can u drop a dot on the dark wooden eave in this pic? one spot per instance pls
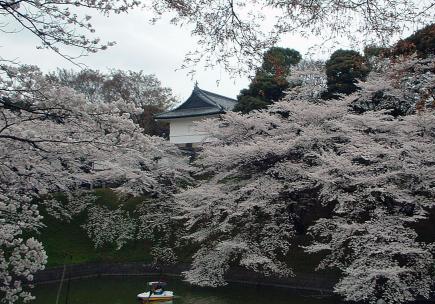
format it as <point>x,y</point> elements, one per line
<point>200,103</point>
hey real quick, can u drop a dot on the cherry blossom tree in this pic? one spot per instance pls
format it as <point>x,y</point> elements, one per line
<point>105,226</point>
<point>381,181</point>
<point>409,88</point>
<point>60,24</point>
<point>143,90</point>
<point>54,141</point>
<point>132,87</point>
<point>266,170</point>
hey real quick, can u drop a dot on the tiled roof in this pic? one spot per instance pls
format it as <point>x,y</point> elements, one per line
<point>225,102</point>
<point>200,103</point>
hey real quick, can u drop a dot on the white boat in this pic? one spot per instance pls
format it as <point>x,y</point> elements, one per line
<point>156,293</point>
<point>165,296</point>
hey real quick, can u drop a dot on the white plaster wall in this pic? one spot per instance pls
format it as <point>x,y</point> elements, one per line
<point>182,130</point>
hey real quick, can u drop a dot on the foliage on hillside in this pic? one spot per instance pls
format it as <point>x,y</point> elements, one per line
<point>81,240</point>
<point>67,242</point>
<point>422,42</point>
<point>53,140</point>
<point>374,170</point>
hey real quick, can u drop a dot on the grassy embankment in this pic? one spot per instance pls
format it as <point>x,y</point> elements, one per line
<point>69,243</point>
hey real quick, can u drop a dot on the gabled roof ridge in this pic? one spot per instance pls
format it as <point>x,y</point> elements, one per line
<point>208,99</point>
<point>200,103</point>
<point>218,95</point>
<point>196,89</point>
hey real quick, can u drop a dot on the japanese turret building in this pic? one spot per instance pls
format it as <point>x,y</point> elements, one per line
<point>200,105</point>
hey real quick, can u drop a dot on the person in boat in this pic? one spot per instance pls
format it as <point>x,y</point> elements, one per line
<point>157,289</point>
<point>156,292</point>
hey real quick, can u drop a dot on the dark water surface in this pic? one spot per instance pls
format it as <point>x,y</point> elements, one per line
<point>123,290</point>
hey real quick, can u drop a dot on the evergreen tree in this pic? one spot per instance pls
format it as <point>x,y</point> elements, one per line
<point>343,70</point>
<point>270,80</point>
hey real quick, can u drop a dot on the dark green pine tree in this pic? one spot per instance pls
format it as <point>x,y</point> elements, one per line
<point>343,70</point>
<point>270,81</point>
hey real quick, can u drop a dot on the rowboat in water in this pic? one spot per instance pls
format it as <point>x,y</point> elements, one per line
<point>157,292</point>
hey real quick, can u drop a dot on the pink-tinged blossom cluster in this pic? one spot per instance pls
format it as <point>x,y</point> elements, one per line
<point>54,145</point>
<point>105,226</point>
<point>266,171</point>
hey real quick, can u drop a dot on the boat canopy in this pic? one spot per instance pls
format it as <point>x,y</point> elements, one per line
<point>162,284</point>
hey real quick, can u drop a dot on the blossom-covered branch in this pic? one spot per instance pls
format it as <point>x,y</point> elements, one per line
<point>236,33</point>
<point>60,24</point>
<point>371,165</point>
<point>53,141</point>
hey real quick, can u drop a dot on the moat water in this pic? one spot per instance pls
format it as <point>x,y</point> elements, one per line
<point>123,290</point>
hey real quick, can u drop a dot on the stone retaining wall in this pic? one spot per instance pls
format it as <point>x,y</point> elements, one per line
<point>77,271</point>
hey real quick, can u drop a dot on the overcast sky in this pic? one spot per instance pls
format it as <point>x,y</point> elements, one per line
<point>155,49</point>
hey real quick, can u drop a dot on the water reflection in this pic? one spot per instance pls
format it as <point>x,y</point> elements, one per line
<point>123,290</point>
